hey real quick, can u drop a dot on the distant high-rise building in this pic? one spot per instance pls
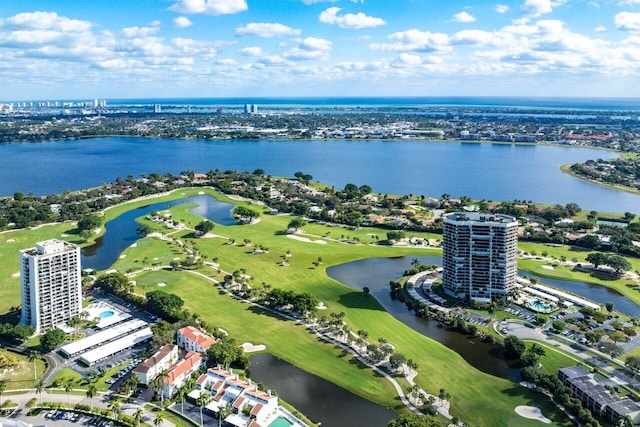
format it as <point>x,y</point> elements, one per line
<point>479,255</point>
<point>51,285</point>
<point>251,108</point>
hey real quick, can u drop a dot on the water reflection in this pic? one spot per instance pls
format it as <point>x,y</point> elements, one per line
<point>320,400</point>
<point>375,273</point>
<point>121,232</point>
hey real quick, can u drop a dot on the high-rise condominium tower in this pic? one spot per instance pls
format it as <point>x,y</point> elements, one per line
<point>479,255</point>
<point>50,284</point>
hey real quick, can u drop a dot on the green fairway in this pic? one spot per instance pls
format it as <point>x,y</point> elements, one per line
<point>477,398</point>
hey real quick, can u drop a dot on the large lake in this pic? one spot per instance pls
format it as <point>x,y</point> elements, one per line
<point>489,171</point>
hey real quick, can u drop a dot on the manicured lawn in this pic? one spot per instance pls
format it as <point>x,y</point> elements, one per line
<point>440,367</point>
<point>22,376</point>
<point>477,398</point>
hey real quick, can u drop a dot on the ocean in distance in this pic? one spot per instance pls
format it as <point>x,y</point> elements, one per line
<point>541,103</point>
<point>481,171</point>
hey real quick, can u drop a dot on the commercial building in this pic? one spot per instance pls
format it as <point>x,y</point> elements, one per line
<point>192,339</point>
<point>51,285</point>
<point>113,347</point>
<point>595,397</point>
<point>479,255</point>
<point>160,361</point>
<point>101,338</point>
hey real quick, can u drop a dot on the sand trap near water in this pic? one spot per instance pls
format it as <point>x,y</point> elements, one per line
<point>162,284</point>
<point>532,413</point>
<point>200,192</point>
<point>123,256</point>
<point>250,348</point>
<point>306,240</point>
<point>133,245</point>
<point>548,267</point>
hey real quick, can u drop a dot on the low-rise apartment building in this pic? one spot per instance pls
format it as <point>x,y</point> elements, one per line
<point>160,361</point>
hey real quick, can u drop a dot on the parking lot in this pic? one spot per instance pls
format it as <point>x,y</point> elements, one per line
<point>68,419</point>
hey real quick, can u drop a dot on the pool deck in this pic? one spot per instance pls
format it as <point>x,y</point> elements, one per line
<point>97,308</point>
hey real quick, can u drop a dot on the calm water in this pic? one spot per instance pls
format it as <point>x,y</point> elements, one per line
<point>121,232</point>
<point>376,273</point>
<point>321,401</point>
<point>489,171</point>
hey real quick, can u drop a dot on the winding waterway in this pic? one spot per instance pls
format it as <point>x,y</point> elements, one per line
<point>489,171</point>
<point>120,232</point>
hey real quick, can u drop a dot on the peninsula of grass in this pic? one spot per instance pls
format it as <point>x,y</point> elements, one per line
<point>567,169</point>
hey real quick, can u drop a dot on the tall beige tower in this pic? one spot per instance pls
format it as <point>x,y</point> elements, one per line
<point>479,255</point>
<point>51,285</point>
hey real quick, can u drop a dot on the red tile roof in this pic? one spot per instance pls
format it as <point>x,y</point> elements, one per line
<point>256,409</point>
<point>190,360</point>
<point>238,402</point>
<point>197,336</point>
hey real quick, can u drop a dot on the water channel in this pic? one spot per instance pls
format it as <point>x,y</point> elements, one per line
<point>320,400</point>
<point>121,232</point>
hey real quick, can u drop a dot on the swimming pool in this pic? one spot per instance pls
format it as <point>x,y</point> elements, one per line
<point>106,314</point>
<point>538,306</point>
<point>281,422</point>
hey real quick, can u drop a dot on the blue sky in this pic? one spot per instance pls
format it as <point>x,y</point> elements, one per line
<point>71,49</point>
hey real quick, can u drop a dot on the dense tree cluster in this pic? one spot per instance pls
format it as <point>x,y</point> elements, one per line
<point>561,394</point>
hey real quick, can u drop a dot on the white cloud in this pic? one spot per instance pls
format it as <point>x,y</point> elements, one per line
<point>349,20</point>
<point>600,29</point>
<point>464,17</point>
<point>502,8</point>
<point>263,29</point>
<point>210,7</point>
<point>628,2</point>
<point>535,8</point>
<point>45,21</point>
<point>627,21</point>
<point>310,48</point>
<point>182,22</point>
<point>416,40</point>
<point>131,32</point>
<point>252,51</point>
<point>408,59</point>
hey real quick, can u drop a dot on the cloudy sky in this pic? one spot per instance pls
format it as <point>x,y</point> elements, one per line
<point>71,49</point>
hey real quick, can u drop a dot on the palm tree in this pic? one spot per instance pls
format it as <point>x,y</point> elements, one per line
<point>92,391</point>
<point>223,412</point>
<point>182,391</point>
<point>3,387</point>
<point>33,357</point>
<point>159,419</point>
<point>115,407</point>
<point>68,387</point>
<point>40,388</point>
<point>137,416</point>
<point>203,400</point>
<point>158,383</point>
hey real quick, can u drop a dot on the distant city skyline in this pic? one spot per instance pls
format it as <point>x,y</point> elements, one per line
<point>75,49</point>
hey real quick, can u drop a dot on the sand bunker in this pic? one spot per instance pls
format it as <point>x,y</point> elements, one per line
<point>11,240</point>
<point>548,267</point>
<point>16,274</point>
<point>200,192</point>
<point>123,256</point>
<point>250,348</point>
<point>162,284</point>
<point>306,240</point>
<point>532,413</point>
<point>177,258</point>
<point>321,306</point>
<point>133,245</point>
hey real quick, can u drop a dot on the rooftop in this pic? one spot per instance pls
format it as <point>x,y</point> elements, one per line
<point>189,361</point>
<point>197,336</point>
